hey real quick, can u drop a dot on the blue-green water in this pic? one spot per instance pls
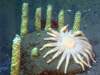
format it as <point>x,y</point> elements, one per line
<point>10,20</point>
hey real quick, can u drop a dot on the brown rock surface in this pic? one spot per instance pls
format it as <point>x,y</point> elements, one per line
<point>37,65</point>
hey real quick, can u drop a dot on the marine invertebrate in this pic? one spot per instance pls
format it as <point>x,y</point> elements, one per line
<point>34,51</point>
<point>48,16</point>
<point>24,19</point>
<point>61,20</point>
<point>15,56</point>
<point>71,45</point>
<point>38,19</point>
<point>77,21</point>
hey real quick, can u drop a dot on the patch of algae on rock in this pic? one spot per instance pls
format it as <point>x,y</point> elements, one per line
<point>37,65</point>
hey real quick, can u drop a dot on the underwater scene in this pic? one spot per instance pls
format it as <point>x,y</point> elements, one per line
<point>49,37</point>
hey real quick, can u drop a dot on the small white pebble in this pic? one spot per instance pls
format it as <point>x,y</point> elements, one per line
<point>85,25</point>
<point>88,71</point>
<point>69,10</point>
<point>89,9</point>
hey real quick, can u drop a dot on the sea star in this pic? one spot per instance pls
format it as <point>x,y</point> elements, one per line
<point>70,44</point>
